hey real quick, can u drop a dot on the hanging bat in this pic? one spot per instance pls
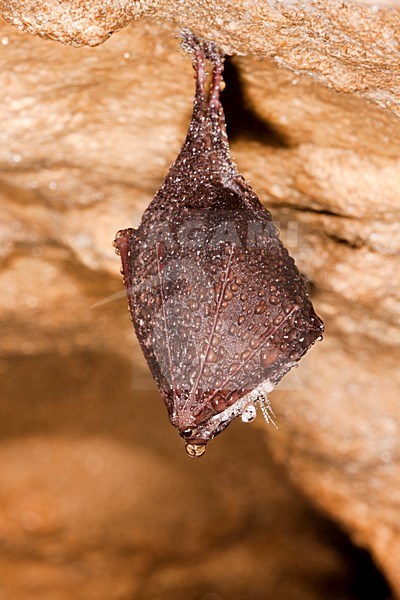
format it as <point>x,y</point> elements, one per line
<point>219,307</point>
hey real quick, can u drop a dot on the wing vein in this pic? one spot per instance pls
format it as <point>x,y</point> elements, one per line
<point>217,313</point>
<point>267,336</point>
<point>164,316</point>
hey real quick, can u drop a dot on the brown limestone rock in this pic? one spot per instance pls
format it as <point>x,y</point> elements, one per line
<point>351,46</point>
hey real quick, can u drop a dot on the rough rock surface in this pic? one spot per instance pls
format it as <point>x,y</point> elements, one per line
<point>87,136</point>
<point>352,46</point>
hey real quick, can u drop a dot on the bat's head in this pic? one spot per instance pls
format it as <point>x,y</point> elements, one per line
<point>198,421</point>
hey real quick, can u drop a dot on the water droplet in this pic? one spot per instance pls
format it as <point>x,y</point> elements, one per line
<point>261,307</point>
<point>275,339</point>
<point>215,341</point>
<point>212,356</point>
<point>195,450</point>
<point>228,295</point>
<point>234,368</point>
<point>274,299</point>
<point>217,289</point>
<point>245,354</point>
<point>218,403</point>
<point>268,356</point>
<point>292,335</point>
<point>287,307</point>
<point>206,370</point>
<point>193,305</point>
<point>202,293</point>
<point>278,320</point>
<point>254,343</point>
